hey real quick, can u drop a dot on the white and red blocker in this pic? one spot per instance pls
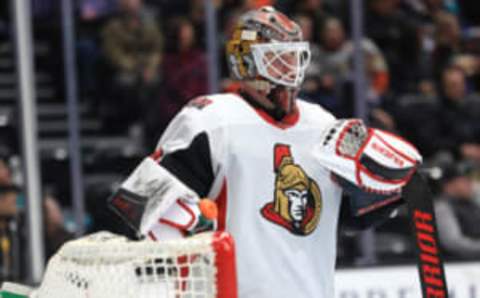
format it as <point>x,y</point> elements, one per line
<point>172,207</point>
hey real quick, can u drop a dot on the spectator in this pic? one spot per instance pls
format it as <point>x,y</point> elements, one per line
<point>459,126</point>
<point>11,209</point>
<point>458,214</point>
<point>185,63</point>
<point>5,173</point>
<point>416,116</point>
<point>8,191</point>
<point>95,9</point>
<point>332,64</point>
<point>423,9</point>
<point>451,48</point>
<point>314,9</point>
<point>132,45</point>
<point>9,212</point>
<point>8,201</point>
<point>317,87</point>
<point>448,42</point>
<point>55,231</point>
<point>196,15</point>
<point>92,14</point>
<point>423,13</point>
<point>185,70</point>
<point>396,36</point>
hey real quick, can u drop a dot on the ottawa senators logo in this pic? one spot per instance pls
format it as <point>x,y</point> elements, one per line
<point>297,202</point>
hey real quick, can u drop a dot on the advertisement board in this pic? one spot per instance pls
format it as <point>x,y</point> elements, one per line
<point>403,282</point>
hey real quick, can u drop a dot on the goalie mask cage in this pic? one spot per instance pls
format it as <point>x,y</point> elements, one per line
<point>105,265</point>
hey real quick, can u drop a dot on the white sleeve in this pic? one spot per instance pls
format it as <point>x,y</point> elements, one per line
<point>197,131</point>
<point>188,123</point>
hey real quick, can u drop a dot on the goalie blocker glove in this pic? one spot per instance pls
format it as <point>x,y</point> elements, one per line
<point>370,164</point>
<point>158,205</point>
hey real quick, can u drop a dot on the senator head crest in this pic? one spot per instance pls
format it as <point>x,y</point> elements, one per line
<point>297,199</point>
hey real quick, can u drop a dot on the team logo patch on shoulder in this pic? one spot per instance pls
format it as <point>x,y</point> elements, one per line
<point>199,102</point>
<point>297,202</point>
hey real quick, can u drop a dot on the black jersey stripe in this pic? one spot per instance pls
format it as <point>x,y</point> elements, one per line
<point>192,165</point>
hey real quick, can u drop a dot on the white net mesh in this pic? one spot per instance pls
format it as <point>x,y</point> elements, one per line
<point>105,265</point>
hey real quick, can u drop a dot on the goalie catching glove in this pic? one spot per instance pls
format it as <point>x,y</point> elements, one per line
<point>370,164</point>
<point>158,205</point>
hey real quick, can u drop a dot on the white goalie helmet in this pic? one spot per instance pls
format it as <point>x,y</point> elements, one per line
<point>267,46</point>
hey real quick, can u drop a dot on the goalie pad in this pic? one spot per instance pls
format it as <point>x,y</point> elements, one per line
<point>370,164</point>
<point>148,193</point>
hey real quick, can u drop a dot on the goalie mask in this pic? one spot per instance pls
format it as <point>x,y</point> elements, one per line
<point>268,53</point>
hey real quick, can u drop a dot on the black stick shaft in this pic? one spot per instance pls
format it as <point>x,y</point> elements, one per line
<point>424,232</point>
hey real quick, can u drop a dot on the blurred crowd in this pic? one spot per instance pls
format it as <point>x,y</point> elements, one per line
<point>140,61</point>
<point>143,60</point>
<point>13,224</point>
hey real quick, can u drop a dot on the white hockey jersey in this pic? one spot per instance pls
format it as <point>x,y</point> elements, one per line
<point>274,197</point>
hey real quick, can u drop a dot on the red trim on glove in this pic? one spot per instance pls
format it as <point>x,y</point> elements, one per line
<point>176,225</point>
<point>394,149</point>
<point>358,165</point>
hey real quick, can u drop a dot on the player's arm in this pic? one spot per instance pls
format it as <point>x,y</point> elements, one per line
<point>352,223</point>
<point>161,198</point>
<point>372,167</point>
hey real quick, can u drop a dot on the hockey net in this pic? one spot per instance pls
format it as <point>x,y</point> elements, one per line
<point>106,265</point>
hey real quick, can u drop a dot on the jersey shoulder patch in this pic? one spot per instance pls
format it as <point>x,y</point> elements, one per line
<point>222,107</point>
<point>200,102</point>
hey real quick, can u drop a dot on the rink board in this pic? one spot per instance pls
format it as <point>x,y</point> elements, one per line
<point>403,282</point>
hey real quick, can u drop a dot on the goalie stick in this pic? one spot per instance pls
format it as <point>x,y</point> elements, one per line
<point>424,232</point>
<point>375,167</point>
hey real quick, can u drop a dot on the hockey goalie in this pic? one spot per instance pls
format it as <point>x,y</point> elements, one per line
<point>275,166</point>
